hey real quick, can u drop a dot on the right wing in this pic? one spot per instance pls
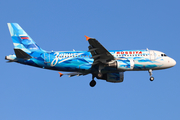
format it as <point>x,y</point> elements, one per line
<point>98,52</point>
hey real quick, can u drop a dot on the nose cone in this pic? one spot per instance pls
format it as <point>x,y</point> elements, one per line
<point>172,62</point>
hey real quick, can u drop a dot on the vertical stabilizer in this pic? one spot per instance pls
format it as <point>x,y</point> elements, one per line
<point>21,39</point>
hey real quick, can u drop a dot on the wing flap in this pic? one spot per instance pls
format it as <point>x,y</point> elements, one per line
<point>92,49</point>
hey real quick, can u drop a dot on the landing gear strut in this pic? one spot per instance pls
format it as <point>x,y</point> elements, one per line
<point>93,82</point>
<point>100,74</point>
<point>150,73</point>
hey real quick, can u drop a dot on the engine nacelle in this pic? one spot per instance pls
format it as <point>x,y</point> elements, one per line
<point>113,77</point>
<point>127,64</point>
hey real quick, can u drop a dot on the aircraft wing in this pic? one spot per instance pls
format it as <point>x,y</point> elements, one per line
<point>72,74</point>
<point>98,52</point>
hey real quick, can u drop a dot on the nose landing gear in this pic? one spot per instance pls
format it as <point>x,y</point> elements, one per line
<point>150,73</point>
<point>151,78</point>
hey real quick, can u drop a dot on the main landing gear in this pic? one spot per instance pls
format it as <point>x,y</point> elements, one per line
<point>99,75</point>
<point>150,73</point>
<point>93,82</point>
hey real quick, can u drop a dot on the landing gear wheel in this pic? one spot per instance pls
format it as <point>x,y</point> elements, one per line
<point>100,75</point>
<point>150,73</point>
<point>92,83</point>
<point>151,78</point>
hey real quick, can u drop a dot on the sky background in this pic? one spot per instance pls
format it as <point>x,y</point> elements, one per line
<point>30,93</point>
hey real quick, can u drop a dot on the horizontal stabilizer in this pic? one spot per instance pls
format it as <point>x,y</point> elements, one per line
<point>21,54</point>
<point>72,74</point>
<point>11,61</point>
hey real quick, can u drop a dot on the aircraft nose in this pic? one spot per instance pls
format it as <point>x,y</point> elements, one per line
<point>172,62</point>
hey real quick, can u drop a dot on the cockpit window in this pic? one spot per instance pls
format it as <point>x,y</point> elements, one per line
<point>163,55</point>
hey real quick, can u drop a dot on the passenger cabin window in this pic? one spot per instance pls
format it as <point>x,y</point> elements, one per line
<point>163,55</point>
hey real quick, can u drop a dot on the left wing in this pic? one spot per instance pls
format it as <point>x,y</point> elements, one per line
<point>72,74</point>
<point>98,52</point>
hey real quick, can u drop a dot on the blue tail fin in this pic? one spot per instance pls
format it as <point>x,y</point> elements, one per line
<point>21,39</point>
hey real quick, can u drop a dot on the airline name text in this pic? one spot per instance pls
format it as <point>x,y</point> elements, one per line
<point>129,52</point>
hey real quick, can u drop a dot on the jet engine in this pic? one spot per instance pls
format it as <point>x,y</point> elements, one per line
<point>127,64</point>
<point>113,77</point>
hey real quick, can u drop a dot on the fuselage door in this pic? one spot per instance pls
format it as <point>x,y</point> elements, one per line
<point>131,63</point>
<point>151,55</point>
<point>46,57</point>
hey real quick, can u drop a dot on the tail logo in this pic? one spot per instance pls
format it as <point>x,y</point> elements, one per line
<point>21,39</point>
<point>24,37</point>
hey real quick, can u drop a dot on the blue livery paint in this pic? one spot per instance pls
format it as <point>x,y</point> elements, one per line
<point>82,61</point>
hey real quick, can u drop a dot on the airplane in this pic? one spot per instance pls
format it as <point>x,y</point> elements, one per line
<point>98,61</point>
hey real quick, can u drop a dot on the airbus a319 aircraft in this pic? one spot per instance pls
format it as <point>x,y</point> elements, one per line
<point>101,63</point>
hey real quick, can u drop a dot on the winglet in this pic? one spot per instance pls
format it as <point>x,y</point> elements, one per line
<point>87,38</point>
<point>60,74</point>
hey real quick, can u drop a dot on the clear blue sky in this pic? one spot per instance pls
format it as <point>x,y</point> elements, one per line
<point>29,93</point>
